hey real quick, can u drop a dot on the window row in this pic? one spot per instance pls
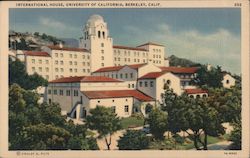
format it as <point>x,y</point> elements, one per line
<point>62,92</point>
<point>39,61</point>
<point>146,83</point>
<point>76,63</point>
<point>156,50</point>
<point>156,56</point>
<point>127,53</point>
<point>40,69</point>
<point>121,76</point>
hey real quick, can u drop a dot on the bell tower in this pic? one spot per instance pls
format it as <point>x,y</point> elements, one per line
<point>97,41</point>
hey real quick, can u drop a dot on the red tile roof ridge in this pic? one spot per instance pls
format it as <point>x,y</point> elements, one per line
<point>129,48</point>
<point>117,94</point>
<point>175,69</point>
<point>153,75</point>
<point>36,53</point>
<point>195,91</point>
<point>53,47</point>
<point>73,79</point>
<point>151,43</point>
<point>117,68</point>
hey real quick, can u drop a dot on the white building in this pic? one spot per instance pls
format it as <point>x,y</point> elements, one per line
<point>228,81</point>
<point>77,95</point>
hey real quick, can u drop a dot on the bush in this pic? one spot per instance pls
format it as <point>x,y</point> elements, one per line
<point>133,140</point>
<point>178,139</point>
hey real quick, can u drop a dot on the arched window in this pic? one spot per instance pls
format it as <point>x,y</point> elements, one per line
<point>198,96</point>
<point>168,82</point>
<point>191,96</point>
<point>227,81</point>
<point>99,34</point>
<point>204,95</point>
<point>103,34</point>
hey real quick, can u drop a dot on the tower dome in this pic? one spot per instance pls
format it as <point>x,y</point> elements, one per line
<point>94,18</point>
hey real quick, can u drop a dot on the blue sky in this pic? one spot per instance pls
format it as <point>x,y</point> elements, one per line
<point>202,35</point>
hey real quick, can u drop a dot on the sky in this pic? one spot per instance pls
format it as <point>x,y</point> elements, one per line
<point>208,36</point>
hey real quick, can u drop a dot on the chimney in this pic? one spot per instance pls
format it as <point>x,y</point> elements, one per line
<point>209,67</point>
<point>60,45</point>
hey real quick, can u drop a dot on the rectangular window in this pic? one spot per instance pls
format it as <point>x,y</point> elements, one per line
<point>126,110</point>
<point>70,63</point>
<point>126,75</point>
<point>33,61</point>
<point>67,92</point>
<point>113,109</point>
<point>61,62</point>
<point>140,83</point>
<point>61,92</point>
<point>75,56</point>
<point>151,84</point>
<point>40,69</point>
<point>56,54</point>
<point>47,69</point>
<point>131,75</point>
<point>47,61</point>
<point>70,70</point>
<point>70,55</point>
<point>61,54</point>
<point>56,62</point>
<point>102,44</point>
<point>33,69</point>
<point>49,91</point>
<point>75,63</point>
<point>40,61</point>
<point>56,69</point>
<point>102,57</point>
<point>55,91</point>
<point>146,84</point>
<point>121,76</point>
<point>62,70</point>
<point>75,70</point>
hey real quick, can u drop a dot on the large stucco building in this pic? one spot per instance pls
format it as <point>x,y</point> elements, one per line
<point>102,74</point>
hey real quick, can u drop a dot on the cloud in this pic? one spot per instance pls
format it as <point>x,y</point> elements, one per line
<point>47,22</point>
<point>220,47</point>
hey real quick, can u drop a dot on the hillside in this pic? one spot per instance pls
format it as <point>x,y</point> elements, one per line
<point>31,41</point>
<point>176,61</point>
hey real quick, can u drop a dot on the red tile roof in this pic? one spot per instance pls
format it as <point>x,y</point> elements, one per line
<point>32,53</point>
<point>151,43</point>
<point>68,48</point>
<point>117,68</point>
<point>152,75</point>
<point>180,69</point>
<point>195,91</point>
<point>117,94</point>
<point>129,48</point>
<point>84,79</point>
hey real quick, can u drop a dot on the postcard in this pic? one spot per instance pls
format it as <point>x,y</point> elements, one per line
<point>124,79</point>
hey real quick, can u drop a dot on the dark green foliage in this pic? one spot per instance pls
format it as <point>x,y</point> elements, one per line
<point>236,136</point>
<point>22,45</point>
<point>175,61</point>
<point>133,140</point>
<point>34,126</point>
<point>178,139</point>
<point>210,78</point>
<point>105,121</point>
<point>157,121</point>
<point>197,115</point>
<point>148,108</point>
<point>18,74</point>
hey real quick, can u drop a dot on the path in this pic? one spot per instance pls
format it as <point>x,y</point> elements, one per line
<point>220,145</point>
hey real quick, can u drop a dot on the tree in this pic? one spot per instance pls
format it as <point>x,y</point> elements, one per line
<point>236,136</point>
<point>133,140</point>
<point>105,121</point>
<point>41,126</point>
<point>18,74</point>
<point>196,115</point>
<point>211,78</point>
<point>22,45</point>
<point>157,120</point>
<point>36,34</point>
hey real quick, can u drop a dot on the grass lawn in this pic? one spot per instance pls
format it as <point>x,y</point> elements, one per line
<point>210,140</point>
<point>131,122</point>
<point>188,144</point>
